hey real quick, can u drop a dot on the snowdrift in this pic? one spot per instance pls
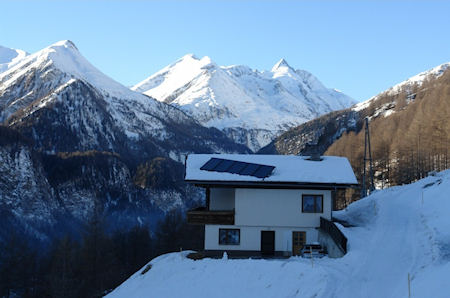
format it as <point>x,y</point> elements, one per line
<point>393,233</point>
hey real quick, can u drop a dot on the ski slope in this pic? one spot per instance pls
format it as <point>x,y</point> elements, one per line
<point>394,232</point>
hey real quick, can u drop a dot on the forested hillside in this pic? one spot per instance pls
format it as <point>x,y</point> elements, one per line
<point>409,128</point>
<point>410,133</point>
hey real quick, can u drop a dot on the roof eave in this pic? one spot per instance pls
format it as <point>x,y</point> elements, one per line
<point>269,184</point>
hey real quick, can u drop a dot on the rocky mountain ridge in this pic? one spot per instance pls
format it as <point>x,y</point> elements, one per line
<point>250,106</point>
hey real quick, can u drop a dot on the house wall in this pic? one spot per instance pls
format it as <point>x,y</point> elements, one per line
<point>257,210</point>
<point>278,207</point>
<point>222,199</point>
<point>251,237</point>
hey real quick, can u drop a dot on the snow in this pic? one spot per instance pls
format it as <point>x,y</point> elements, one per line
<point>239,97</point>
<point>398,231</point>
<point>135,113</point>
<point>421,77</point>
<point>10,57</point>
<point>434,72</point>
<point>65,56</point>
<point>288,168</point>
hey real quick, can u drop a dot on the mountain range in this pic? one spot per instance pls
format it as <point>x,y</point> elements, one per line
<point>75,144</point>
<point>252,107</point>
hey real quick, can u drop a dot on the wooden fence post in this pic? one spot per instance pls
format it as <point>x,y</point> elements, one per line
<point>409,285</point>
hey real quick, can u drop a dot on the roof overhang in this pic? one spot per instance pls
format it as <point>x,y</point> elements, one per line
<point>270,184</point>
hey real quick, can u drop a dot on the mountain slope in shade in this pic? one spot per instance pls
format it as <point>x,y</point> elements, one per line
<point>93,145</point>
<point>250,106</point>
<point>9,57</point>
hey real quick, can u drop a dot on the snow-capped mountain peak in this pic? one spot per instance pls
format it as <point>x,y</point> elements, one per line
<point>251,106</point>
<point>9,57</point>
<point>174,76</point>
<point>64,43</point>
<point>280,64</point>
<point>65,57</point>
<point>59,82</point>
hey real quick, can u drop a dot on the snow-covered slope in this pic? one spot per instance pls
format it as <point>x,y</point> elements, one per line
<point>435,72</point>
<point>9,57</point>
<point>395,232</point>
<point>58,86</point>
<point>251,106</point>
<point>418,80</point>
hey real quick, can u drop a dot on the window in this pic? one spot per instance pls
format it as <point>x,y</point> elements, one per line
<point>312,203</point>
<point>229,236</point>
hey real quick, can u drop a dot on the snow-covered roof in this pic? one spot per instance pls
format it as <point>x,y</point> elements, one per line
<point>288,168</point>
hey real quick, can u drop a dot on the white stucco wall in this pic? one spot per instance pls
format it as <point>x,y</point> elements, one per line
<point>277,208</point>
<point>222,199</point>
<point>257,210</point>
<point>251,237</point>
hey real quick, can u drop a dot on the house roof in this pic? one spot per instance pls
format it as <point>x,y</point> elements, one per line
<point>288,169</point>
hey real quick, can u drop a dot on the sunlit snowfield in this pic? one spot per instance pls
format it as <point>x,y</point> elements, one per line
<point>397,231</point>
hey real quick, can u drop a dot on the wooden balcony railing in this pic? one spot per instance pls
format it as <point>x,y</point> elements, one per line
<point>331,229</point>
<point>201,216</point>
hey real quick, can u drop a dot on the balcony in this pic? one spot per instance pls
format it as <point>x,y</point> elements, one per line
<point>201,216</point>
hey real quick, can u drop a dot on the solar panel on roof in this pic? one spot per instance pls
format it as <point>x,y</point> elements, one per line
<point>223,166</point>
<point>211,164</point>
<point>264,171</point>
<point>237,167</point>
<point>249,169</point>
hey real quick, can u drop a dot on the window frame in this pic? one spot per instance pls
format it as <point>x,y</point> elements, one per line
<point>315,205</point>
<point>225,229</point>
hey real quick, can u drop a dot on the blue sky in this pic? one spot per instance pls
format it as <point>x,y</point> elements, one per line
<point>359,47</point>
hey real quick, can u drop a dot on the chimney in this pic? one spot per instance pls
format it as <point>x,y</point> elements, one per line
<point>313,151</point>
<point>315,156</point>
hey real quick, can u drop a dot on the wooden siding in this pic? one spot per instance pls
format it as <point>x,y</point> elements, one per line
<point>201,216</point>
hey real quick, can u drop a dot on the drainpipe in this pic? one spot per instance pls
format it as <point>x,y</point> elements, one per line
<point>208,197</point>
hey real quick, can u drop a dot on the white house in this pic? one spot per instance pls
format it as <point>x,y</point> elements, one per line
<point>270,204</point>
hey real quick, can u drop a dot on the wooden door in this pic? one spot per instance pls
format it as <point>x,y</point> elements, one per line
<point>298,241</point>
<point>267,242</point>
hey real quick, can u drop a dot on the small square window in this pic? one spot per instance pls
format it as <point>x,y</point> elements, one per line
<point>229,236</point>
<point>312,203</point>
